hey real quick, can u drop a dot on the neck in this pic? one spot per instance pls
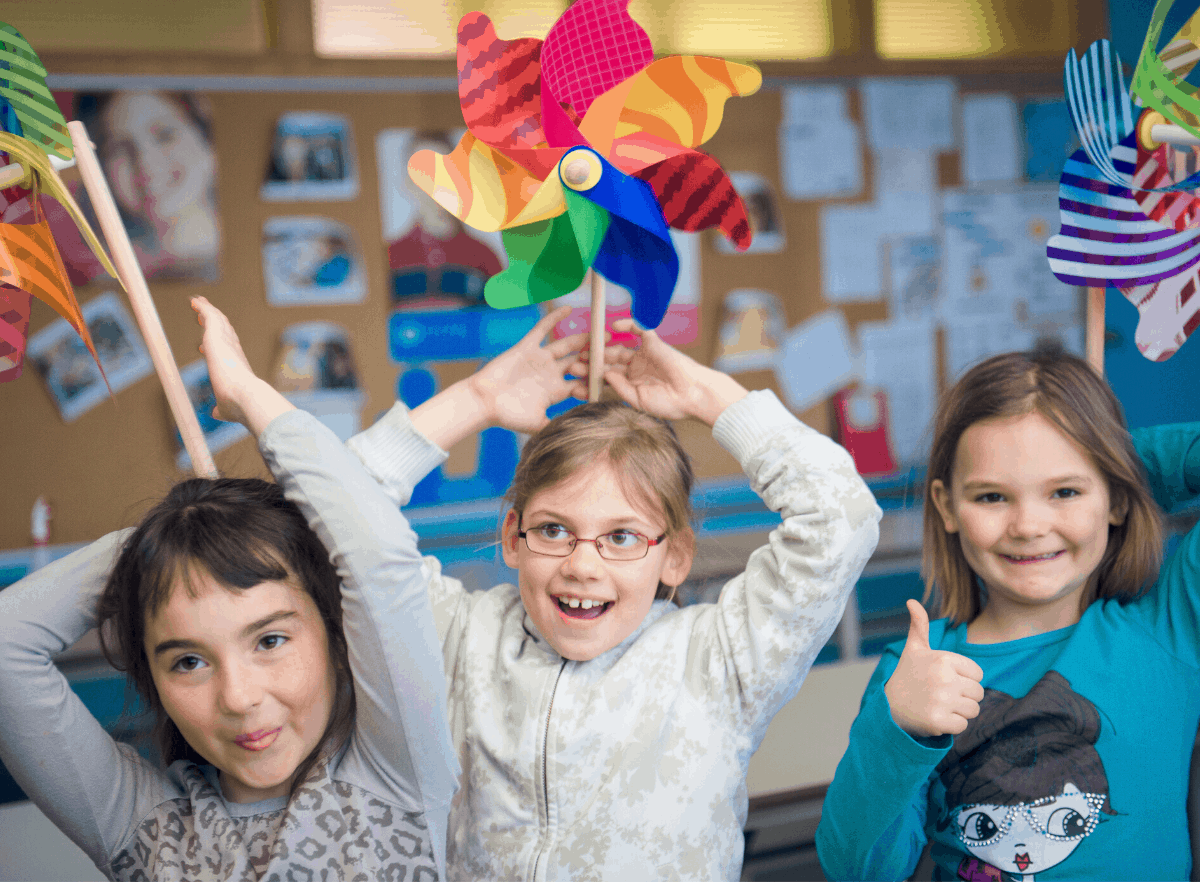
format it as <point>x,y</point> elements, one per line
<point>1002,620</point>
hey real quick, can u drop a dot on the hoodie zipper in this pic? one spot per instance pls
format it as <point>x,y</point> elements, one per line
<point>545,760</point>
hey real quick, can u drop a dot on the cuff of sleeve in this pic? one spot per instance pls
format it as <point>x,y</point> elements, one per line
<point>900,744</point>
<point>395,454</point>
<point>744,425</point>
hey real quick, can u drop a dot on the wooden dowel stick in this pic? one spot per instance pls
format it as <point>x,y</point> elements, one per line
<point>127,266</point>
<point>1094,329</point>
<point>596,364</point>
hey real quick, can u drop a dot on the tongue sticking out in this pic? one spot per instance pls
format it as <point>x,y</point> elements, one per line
<point>581,613</point>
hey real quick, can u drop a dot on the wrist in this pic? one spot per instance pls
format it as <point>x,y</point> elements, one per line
<point>452,415</point>
<point>716,394</point>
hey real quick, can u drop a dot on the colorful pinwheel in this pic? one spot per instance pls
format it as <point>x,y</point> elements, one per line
<point>1125,221</point>
<point>580,149</point>
<point>30,265</point>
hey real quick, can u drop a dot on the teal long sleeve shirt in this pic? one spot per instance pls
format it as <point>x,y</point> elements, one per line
<point>1076,768</point>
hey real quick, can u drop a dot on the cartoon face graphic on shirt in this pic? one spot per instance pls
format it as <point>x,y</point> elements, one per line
<point>1029,837</point>
<point>1024,785</point>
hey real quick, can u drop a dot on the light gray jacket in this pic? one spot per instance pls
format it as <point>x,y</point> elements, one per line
<point>633,765</point>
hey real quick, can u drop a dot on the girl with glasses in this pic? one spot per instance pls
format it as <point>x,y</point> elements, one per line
<point>604,731</point>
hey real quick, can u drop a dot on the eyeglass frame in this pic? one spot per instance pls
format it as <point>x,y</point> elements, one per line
<point>575,540</point>
<point>1095,802</point>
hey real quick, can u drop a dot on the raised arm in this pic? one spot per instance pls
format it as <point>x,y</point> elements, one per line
<point>401,742</point>
<point>90,786</point>
<point>772,620</point>
<point>1171,454</point>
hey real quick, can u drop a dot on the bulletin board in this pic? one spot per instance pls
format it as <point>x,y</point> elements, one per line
<point>102,470</point>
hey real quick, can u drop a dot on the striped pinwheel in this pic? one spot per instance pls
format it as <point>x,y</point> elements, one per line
<point>580,149</point>
<point>1126,221</point>
<point>30,265</point>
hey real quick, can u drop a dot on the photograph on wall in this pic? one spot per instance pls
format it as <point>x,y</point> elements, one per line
<point>67,368</point>
<point>762,209</point>
<point>435,262</point>
<point>217,434</point>
<point>751,330</point>
<point>157,153</point>
<point>315,370</point>
<point>312,159</point>
<point>311,261</point>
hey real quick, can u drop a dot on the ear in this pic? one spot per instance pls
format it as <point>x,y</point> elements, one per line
<point>509,538</point>
<point>681,551</point>
<point>1119,511</point>
<point>943,503</point>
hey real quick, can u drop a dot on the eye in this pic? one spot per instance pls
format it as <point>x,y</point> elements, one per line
<point>272,641</point>
<point>622,538</point>
<point>1066,822</point>
<point>1065,493</point>
<point>989,497</point>
<point>979,827</point>
<point>553,532</point>
<point>188,663</point>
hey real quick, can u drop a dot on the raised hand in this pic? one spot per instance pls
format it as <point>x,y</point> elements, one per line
<point>241,396</point>
<point>662,381</point>
<point>515,388</point>
<point>932,692</point>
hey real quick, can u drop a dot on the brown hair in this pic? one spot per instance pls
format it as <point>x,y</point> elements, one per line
<point>645,454</point>
<point>242,532</point>
<point>1071,395</point>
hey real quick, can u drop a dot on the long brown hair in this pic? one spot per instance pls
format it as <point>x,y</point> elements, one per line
<point>1071,395</point>
<point>242,532</point>
<point>645,454</point>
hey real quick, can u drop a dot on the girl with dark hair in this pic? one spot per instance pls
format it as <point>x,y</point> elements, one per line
<point>1043,726</point>
<point>282,639</point>
<point>604,731</point>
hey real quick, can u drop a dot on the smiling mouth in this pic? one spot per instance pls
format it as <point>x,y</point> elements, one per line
<point>260,740</point>
<point>1022,861</point>
<point>1031,558</point>
<point>575,608</point>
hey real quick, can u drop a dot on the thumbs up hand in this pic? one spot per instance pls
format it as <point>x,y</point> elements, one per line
<point>932,692</point>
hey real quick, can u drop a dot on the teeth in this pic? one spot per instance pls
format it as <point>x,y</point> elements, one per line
<point>573,603</point>
<point>587,604</point>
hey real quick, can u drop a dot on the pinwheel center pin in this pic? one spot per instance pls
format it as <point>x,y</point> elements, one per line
<point>581,169</point>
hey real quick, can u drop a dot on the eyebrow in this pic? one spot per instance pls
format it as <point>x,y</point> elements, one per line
<point>1062,479</point>
<point>614,523</point>
<point>258,625</point>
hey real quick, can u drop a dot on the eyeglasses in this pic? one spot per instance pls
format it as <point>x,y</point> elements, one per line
<point>553,540</point>
<point>1060,823</point>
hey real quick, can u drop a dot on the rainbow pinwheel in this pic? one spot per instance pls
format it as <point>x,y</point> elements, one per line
<point>1126,222</point>
<point>30,265</point>
<point>580,149</point>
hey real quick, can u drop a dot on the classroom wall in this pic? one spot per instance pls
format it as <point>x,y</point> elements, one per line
<point>101,471</point>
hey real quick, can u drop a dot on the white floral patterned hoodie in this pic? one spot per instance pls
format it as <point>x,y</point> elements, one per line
<point>632,765</point>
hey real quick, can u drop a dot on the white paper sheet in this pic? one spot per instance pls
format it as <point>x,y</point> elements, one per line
<point>914,113</point>
<point>898,357</point>
<point>820,156</point>
<point>815,360</point>
<point>991,139</point>
<point>850,253</point>
<point>914,277</point>
<point>969,342</point>
<point>905,188</point>
<point>995,258</point>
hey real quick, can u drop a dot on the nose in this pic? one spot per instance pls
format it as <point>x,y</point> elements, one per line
<point>1029,520</point>
<point>240,689</point>
<point>584,561</point>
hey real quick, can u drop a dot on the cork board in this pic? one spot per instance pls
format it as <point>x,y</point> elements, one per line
<point>103,470</point>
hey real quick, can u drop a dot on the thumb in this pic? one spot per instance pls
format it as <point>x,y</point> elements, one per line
<point>918,627</point>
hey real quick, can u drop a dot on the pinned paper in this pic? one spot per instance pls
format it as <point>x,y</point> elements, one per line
<point>751,331</point>
<point>592,85</point>
<point>816,359</point>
